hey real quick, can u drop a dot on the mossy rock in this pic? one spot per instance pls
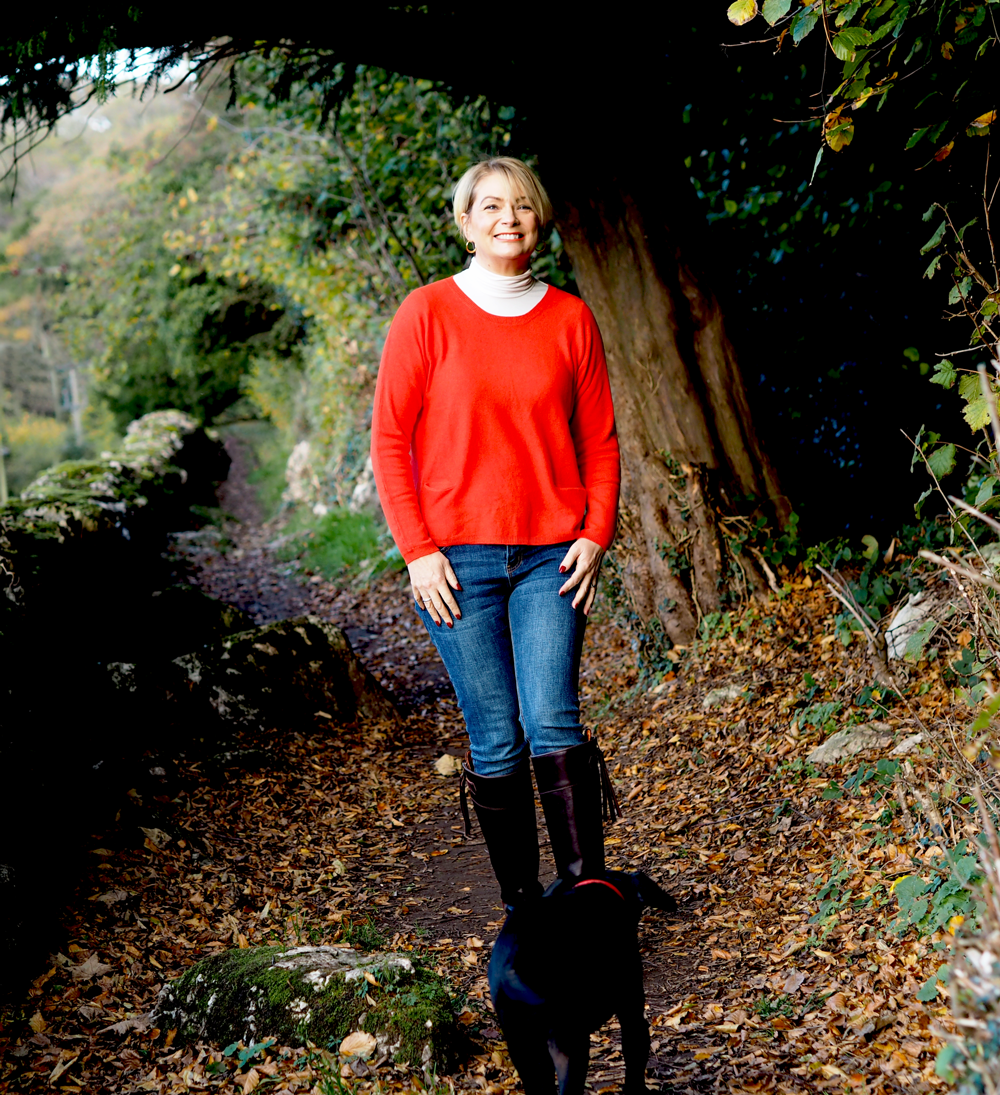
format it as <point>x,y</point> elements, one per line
<point>278,674</point>
<point>315,994</point>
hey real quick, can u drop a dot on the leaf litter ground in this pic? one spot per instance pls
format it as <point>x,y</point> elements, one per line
<point>327,835</point>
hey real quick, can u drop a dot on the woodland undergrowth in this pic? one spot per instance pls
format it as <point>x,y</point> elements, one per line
<point>802,958</point>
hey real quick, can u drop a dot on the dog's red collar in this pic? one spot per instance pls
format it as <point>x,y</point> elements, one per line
<point>600,882</point>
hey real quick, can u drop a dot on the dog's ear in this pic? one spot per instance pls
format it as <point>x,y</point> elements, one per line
<point>651,895</point>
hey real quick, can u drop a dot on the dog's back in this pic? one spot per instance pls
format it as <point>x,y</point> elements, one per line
<point>561,967</point>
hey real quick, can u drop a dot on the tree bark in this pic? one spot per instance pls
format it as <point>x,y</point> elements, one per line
<point>693,467</point>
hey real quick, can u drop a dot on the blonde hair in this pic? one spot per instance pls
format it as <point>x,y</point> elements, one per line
<point>521,181</point>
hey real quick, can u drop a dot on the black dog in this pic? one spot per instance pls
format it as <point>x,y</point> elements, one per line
<point>562,966</point>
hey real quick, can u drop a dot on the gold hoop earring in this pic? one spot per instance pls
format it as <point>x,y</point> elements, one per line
<point>470,246</point>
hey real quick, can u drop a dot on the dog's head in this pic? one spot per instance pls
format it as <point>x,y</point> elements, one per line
<point>636,889</point>
<point>641,892</point>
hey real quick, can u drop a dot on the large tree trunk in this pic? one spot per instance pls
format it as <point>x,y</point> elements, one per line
<point>692,463</point>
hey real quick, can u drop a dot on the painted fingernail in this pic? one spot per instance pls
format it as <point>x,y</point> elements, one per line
<point>459,588</point>
<point>451,625</point>
<point>562,570</point>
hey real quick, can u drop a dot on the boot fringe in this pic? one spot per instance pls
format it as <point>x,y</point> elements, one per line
<point>463,793</point>
<point>610,806</point>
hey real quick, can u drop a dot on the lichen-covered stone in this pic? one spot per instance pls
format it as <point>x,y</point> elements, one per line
<point>92,492</point>
<point>850,741</point>
<point>86,503</point>
<point>274,675</point>
<point>316,994</point>
<point>81,553</point>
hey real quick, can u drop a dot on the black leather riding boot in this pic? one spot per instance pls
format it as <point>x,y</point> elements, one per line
<point>505,808</point>
<point>576,793</point>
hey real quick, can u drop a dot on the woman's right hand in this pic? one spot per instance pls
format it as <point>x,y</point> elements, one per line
<point>432,580</point>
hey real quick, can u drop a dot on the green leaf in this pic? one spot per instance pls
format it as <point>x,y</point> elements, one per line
<point>942,461</point>
<point>819,156</point>
<point>774,10</point>
<point>852,69</point>
<point>967,867</point>
<point>848,12</point>
<point>871,545</point>
<point>987,713</point>
<point>917,134</point>
<point>944,374</point>
<point>920,501</point>
<point>968,387</point>
<point>985,492</point>
<point>929,989</point>
<point>909,888</point>
<point>932,266</point>
<point>961,232</point>
<point>804,21</point>
<point>976,413</point>
<point>930,213</point>
<point>935,239</point>
<point>918,640</point>
<point>942,1063</point>
<point>911,353</point>
<point>848,40</point>
<point>742,11</point>
<point>832,790</point>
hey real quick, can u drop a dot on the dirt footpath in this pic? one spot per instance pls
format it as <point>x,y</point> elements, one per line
<point>307,835</point>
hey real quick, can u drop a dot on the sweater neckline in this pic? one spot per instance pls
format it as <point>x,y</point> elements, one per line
<point>507,321</point>
<point>499,285</point>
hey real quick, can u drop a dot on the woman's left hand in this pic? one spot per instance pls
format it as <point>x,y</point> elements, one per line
<point>585,556</point>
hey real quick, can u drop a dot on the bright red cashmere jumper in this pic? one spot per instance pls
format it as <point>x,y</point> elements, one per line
<point>494,429</point>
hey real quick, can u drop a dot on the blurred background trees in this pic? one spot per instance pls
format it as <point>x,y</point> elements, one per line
<point>255,233</point>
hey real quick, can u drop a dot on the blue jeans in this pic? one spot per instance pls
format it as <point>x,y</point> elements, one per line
<point>514,656</point>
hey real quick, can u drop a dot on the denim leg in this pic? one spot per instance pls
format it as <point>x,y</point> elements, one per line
<point>547,637</point>
<point>479,658</point>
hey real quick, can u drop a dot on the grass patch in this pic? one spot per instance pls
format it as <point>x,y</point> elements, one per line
<point>363,934</point>
<point>338,543</point>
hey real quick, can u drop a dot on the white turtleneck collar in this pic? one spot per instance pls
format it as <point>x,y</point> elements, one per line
<point>497,294</point>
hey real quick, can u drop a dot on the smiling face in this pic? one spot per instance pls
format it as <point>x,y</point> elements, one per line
<point>503,227</point>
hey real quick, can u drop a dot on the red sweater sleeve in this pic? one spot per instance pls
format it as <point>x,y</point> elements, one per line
<point>595,438</point>
<point>398,403</point>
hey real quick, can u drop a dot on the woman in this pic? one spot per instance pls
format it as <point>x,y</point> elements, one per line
<point>496,461</point>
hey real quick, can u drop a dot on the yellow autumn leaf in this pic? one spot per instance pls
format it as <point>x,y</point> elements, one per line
<point>984,119</point>
<point>840,135</point>
<point>742,11</point>
<point>955,923</point>
<point>947,50</point>
<point>944,151</point>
